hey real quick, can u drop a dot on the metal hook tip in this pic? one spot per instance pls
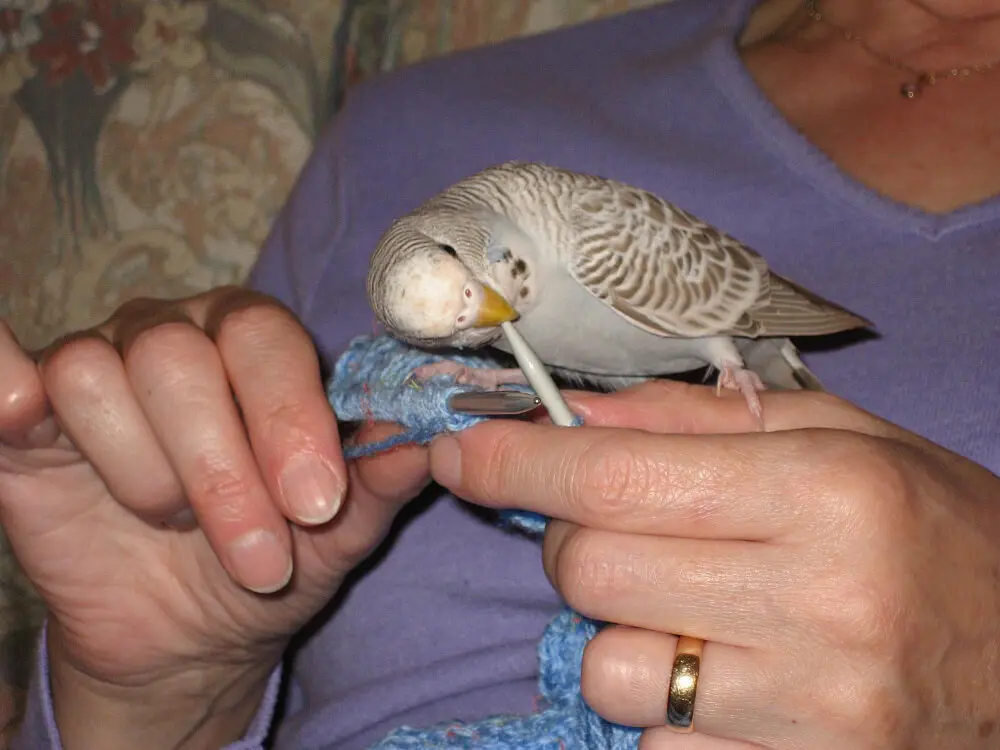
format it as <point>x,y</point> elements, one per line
<point>493,403</point>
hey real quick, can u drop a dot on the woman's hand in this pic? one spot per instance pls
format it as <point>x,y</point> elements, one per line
<point>111,440</point>
<point>844,573</point>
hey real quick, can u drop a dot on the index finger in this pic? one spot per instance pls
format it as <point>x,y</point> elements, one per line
<point>719,478</point>
<point>697,486</point>
<point>275,375</point>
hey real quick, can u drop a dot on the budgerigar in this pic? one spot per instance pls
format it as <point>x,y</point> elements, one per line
<point>610,284</point>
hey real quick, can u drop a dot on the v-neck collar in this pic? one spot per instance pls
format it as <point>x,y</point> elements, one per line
<point>801,156</point>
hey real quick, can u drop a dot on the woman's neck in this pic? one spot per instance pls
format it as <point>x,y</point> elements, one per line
<point>938,149</point>
<point>927,35</point>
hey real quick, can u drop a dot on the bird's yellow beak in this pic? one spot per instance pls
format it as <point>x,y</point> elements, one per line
<point>494,310</point>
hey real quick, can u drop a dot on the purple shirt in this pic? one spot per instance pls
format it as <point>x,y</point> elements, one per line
<point>445,624</point>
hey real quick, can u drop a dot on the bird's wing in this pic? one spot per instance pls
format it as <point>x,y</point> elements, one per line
<point>661,268</point>
<point>674,275</point>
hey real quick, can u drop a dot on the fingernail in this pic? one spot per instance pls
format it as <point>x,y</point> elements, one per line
<point>260,562</point>
<point>446,461</point>
<point>44,433</point>
<point>182,520</point>
<point>311,490</point>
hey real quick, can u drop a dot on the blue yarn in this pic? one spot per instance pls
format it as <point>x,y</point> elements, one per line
<point>372,381</point>
<point>564,722</point>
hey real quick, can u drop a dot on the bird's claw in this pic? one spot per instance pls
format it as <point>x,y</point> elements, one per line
<point>748,383</point>
<point>487,378</point>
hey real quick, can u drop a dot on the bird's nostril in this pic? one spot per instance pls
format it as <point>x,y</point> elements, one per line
<point>461,318</point>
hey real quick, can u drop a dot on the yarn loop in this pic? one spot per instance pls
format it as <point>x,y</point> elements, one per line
<point>372,381</point>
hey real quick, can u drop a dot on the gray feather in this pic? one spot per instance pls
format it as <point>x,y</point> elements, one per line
<point>778,364</point>
<point>618,285</point>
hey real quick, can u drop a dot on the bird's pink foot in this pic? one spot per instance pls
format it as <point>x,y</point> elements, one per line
<point>747,382</point>
<point>486,378</point>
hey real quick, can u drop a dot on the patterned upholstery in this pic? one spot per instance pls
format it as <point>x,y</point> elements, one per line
<point>145,148</point>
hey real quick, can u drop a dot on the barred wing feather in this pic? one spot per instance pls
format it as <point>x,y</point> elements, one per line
<point>673,275</point>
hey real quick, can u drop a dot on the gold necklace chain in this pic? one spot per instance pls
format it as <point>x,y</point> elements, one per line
<point>921,79</point>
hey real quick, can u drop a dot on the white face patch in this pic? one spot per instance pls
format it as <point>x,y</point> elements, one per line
<point>426,295</point>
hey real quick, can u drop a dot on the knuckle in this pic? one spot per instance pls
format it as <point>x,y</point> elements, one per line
<point>131,315</point>
<point>834,702</point>
<point>880,719</point>
<point>836,412</point>
<point>660,390</point>
<point>352,548</point>
<point>819,402</point>
<point>862,615</point>
<point>698,494</point>
<point>157,494</point>
<point>255,321</point>
<point>499,472</point>
<point>281,417</point>
<point>583,572</point>
<point>607,673</point>
<point>78,366</point>
<point>865,617</point>
<point>222,490</point>
<point>858,476</point>
<point>138,307</point>
<point>227,290</point>
<point>611,481</point>
<point>167,342</point>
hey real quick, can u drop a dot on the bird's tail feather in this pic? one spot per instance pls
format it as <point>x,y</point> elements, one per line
<point>778,364</point>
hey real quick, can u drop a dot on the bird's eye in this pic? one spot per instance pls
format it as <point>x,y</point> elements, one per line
<point>449,249</point>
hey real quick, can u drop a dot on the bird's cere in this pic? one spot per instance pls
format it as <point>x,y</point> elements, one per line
<point>493,310</point>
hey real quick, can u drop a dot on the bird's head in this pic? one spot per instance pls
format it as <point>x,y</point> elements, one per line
<point>427,283</point>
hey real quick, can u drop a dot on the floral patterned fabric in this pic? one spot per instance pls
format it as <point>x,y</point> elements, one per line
<point>146,147</point>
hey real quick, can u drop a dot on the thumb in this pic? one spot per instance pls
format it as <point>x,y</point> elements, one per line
<point>379,486</point>
<point>396,475</point>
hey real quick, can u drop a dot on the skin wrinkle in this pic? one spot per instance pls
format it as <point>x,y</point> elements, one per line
<point>253,328</point>
<point>684,574</point>
<point>86,357</point>
<point>701,501</point>
<point>219,484</point>
<point>287,428</point>
<point>619,482</point>
<point>177,354</point>
<point>843,540</point>
<point>758,589</point>
<point>613,481</point>
<point>212,621</point>
<point>860,609</point>
<point>822,453</point>
<point>79,375</point>
<point>216,473</point>
<point>613,573</point>
<point>83,380</point>
<point>505,460</point>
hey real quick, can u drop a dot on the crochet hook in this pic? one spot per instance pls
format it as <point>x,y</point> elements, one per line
<point>493,403</point>
<point>539,378</point>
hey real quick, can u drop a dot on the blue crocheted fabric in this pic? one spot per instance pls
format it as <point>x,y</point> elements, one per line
<point>564,721</point>
<point>372,381</point>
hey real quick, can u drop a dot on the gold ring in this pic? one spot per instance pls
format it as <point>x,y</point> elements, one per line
<point>684,684</point>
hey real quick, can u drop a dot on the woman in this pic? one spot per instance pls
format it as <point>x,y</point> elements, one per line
<point>839,569</point>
